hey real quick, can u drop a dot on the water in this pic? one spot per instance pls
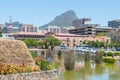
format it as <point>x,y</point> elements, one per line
<point>91,71</point>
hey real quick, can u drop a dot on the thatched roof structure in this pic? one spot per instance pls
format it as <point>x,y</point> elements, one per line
<point>14,52</point>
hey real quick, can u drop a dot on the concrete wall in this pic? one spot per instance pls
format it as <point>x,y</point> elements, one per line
<point>44,75</point>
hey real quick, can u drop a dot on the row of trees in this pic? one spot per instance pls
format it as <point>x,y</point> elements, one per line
<point>101,44</point>
<point>44,43</point>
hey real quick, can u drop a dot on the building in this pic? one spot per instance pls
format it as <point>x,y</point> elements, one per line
<point>115,35</point>
<point>29,28</point>
<point>6,36</point>
<point>104,29</point>
<point>1,27</point>
<point>15,24</point>
<point>79,22</point>
<point>67,39</point>
<point>24,35</point>
<point>65,29</point>
<point>114,23</point>
<point>90,30</point>
<point>53,29</point>
<point>73,40</point>
<point>10,28</point>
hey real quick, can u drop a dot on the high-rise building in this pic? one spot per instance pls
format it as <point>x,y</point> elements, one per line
<point>114,23</point>
<point>53,29</point>
<point>65,29</point>
<point>29,28</point>
<point>80,22</point>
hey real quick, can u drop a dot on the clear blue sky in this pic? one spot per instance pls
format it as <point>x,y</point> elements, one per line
<point>40,12</point>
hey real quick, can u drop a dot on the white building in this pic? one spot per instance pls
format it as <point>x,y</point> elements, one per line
<point>6,36</point>
<point>29,28</point>
<point>53,29</point>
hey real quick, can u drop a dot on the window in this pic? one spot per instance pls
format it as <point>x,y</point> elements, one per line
<point>73,40</point>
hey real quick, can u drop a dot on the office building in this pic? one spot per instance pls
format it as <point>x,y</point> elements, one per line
<point>53,29</point>
<point>90,30</point>
<point>114,23</point>
<point>29,28</point>
<point>80,22</point>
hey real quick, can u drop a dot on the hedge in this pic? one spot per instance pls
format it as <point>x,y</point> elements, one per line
<point>109,60</point>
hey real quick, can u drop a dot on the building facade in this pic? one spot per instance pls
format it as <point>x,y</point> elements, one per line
<point>114,23</point>
<point>79,22</point>
<point>90,30</point>
<point>73,40</point>
<point>53,29</point>
<point>29,28</point>
<point>24,35</point>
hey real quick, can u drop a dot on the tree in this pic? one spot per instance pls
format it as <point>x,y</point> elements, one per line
<point>84,42</point>
<point>101,34</point>
<point>41,43</point>
<point>51,41</point>
<point>31,42</point>
<point>0,33</point>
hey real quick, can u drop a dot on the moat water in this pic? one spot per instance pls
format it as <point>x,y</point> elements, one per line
<point>91,71</point>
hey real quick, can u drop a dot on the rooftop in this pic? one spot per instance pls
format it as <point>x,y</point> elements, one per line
<point>27,33</point>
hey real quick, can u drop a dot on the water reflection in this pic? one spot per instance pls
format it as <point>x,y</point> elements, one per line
<point>69,75</point>
<point>92,71</point>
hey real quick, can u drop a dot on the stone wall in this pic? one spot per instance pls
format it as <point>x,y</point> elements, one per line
<point>44,75</point>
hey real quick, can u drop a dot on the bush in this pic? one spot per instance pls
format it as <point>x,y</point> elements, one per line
<point>98,58</point>
<point>69,60</point>
<point>102,52</point>
<point>110,54</point>
<point>34,54</point>
<point>56,65</point>
<point>117,53</point>
<point>45,65</point>
<point>59,53</point>
<point>87,56</point>
<point>109,60</point>
<point>13,69</point>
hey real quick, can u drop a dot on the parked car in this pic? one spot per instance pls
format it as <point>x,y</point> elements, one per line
<point>117,49</point>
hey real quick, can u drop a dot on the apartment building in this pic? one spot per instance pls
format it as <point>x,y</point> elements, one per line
<point>53,29</point>
<point>29,28</point>
<point>114,23</point>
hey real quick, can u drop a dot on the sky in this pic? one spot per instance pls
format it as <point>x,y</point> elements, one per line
<point>40,12</point>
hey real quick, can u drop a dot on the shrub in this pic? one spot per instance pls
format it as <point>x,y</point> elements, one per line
<point>56,65</point>
<point>109,60</point>
<point>34,54</point>
<point>110,54</point>
<point>87,56</point>
<point>102,52</point>
<point>45,65</point>
<point>98,58</point>
<point>69,60</point>
<point>116,53</point>
<point>42,63</point>
<point>13,69</point>
<point>59,53</point>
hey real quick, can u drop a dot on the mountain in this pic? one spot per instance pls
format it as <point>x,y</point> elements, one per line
<point>63,20</point>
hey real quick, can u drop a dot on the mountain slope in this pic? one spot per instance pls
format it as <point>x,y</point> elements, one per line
<point>63,20</point>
